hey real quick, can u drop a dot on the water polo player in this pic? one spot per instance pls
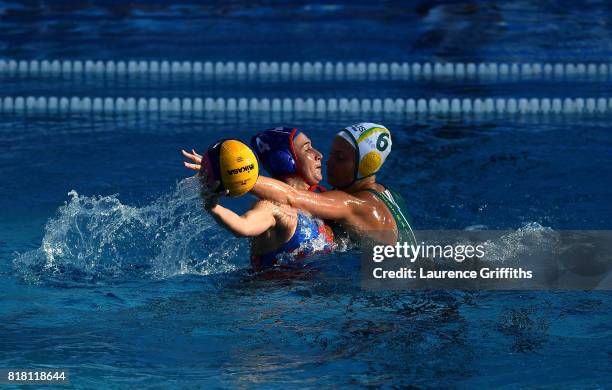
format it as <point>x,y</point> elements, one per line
<point>280,232</point>
<point>359,204</point>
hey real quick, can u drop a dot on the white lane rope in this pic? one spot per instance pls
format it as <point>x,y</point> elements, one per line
<point>410,106</point>
<point>308,70</point>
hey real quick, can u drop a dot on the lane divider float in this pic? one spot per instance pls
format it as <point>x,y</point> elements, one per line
<point>410,106</point>
<point>309,70</point>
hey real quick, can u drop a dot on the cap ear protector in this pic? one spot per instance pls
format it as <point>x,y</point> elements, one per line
<point>274,148</point>
<point>276,152</point>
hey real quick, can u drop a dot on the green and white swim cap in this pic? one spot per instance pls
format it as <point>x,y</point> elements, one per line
<point>372,145</point>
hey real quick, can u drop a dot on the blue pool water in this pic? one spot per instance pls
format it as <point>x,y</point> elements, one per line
<point>109,266</point>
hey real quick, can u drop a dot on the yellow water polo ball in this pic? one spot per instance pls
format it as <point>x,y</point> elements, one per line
<point>369,164</point>
<point>238,167</point>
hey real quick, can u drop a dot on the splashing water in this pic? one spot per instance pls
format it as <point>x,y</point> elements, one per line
<point>523,241</point>
<point>98,240</point>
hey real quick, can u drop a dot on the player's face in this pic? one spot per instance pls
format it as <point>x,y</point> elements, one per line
<point>308,159</point>
<point>341,163</point>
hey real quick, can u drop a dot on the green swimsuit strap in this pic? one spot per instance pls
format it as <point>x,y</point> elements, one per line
<point>397,208</point>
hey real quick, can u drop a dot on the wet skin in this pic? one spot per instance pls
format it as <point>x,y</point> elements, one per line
<point>308,160</point>
<point>341,160</point>
<point>270,224</point>
<point>357,210</point>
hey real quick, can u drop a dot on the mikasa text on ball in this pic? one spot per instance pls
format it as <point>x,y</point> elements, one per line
<point>233,164</point>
